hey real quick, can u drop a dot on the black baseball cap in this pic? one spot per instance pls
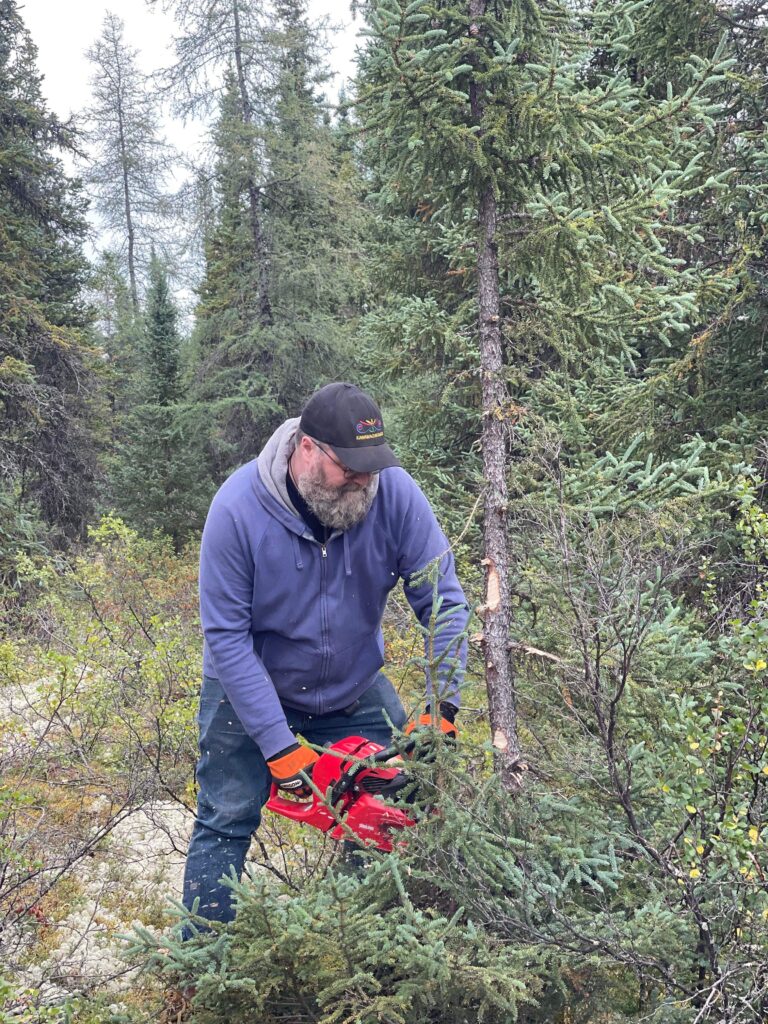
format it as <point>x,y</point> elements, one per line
<point>344,417</point>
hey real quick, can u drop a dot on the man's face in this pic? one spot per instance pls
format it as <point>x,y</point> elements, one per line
<point>339,499</point>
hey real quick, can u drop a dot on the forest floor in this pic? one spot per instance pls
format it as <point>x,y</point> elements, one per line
<point>129,881</point>
<point>71,940</point>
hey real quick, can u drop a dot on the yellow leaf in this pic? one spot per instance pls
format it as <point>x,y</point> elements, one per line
<point>753,834</point>
<point>694,746</point>
<point>690,808</point>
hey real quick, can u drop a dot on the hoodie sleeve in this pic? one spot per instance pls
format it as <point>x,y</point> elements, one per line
<point>421,544</point>
<point>226,593</point>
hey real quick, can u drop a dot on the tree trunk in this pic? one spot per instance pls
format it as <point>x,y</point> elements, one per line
<point>497,611</point>
<point>257,234</point>
<point>127,207</point>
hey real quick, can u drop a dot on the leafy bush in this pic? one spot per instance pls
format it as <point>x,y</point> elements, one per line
<point>97,706</point>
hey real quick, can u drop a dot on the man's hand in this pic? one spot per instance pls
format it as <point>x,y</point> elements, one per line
<point>286,768</point>
<point>446,722</point>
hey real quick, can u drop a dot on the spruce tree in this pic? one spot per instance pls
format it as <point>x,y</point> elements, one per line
<point>49,384</point>
<point>230,358</point>
<point>162,341</point>
<point>221,61</point>
<point>315,215</point>
<point>550,191</point>
<point>158,474</point>
<point>244,374</point>
<point>120,332</point>
<point>703,382</point>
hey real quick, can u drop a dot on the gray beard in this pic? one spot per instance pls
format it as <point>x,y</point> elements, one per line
<point>337,508</point>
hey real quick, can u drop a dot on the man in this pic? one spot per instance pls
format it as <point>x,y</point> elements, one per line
<point>300,549</point>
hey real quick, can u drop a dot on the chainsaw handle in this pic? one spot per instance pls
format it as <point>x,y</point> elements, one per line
<point>295,809</point>
<point>393,751</point>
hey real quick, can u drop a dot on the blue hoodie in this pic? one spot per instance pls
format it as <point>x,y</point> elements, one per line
<point>290,621</point>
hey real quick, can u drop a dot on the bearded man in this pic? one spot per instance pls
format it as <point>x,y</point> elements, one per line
<point>300,550</point>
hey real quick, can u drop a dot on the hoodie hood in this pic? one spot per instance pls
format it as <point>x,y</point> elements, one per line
<point>273,465</point>
<point>273,462</point>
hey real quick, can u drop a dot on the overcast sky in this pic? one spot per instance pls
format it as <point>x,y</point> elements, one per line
<point>63,32</point>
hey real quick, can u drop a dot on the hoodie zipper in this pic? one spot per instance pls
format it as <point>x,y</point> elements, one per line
<point>324,620</point>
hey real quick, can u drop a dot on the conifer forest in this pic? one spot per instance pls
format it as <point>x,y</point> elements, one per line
<point>536,231</point>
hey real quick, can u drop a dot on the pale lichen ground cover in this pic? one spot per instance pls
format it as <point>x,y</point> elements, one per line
<point>129,881</point>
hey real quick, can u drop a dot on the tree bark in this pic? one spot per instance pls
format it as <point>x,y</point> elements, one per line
<point>497,611</point>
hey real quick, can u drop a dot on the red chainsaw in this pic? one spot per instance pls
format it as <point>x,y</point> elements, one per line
<point>354,785</point>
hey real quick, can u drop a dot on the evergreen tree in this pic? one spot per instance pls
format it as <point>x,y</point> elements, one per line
<point>703,381</point>
<point>222,60</point>
<point>315,217</point>
<point>158,472</point>
<point>49,387</point>
<point>230,359</point>
<point>550,191</point>
<point>120,331</point>
<point>129,160</point>
<point>162,339</point>
<point>245,375</point>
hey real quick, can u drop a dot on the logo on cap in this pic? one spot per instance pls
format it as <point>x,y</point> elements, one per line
<point>368,429</point>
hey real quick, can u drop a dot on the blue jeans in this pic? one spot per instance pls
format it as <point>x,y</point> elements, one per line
<point>234,782</point>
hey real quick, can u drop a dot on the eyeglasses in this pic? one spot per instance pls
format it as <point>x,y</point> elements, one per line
<point>349,473</point>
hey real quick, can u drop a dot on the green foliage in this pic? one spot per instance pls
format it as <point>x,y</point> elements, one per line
<point>98,690</point>
<point>653,717</point>
<point>21,533</point>
<point>23,1006</point>
<point>120,331</point>
<point>628,876</point>
<point>158,477</point>
<point>49,387</point>
<point>269,331</point>
<point>625,144</point>
<point>593,174</point>
<point>158,473</point>
<point>161,346</point>
<point>371,947</point>
<point>229,365</point>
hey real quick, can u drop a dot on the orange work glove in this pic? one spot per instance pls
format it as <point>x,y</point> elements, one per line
<point>287,766</point>
<point>446,724</point>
